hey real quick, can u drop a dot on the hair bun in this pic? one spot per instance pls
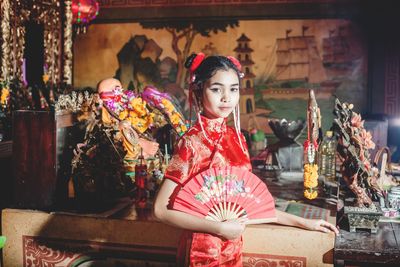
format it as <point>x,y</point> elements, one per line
<point>196,62</point>
<point>189,60</point>
<point>235,62</point>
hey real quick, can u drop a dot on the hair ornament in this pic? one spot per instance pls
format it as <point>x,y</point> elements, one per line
<point>235,62</point>
<point>197,61</point>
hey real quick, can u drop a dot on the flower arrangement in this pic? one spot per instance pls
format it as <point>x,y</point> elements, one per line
<point>125,105</point>
<point>310,180</point>
<point>98,171</point>
<point>13,96</point>
<point>310,173</point>
<point>354,143</point>
<point>163,102</point>
<point>117,136</point>
<point>17,95</point>
<point>143,110</point>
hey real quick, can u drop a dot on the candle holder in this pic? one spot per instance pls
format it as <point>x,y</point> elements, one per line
<point>287,153</point>
<point>363,217</point>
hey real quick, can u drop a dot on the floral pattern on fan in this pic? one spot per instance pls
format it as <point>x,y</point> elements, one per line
<point>214,185</point>
<point>226,193</point>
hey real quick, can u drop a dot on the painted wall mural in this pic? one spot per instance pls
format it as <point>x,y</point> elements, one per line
<point>282,60</point>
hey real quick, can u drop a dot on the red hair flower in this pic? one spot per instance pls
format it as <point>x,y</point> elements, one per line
<point>197,61</point>
<point>235,62</point>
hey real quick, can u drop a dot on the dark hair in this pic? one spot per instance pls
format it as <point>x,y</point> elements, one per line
<point>208,67</point>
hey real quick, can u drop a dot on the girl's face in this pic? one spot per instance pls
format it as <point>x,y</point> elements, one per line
<point>220,94</point>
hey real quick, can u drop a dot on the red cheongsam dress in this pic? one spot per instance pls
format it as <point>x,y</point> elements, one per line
<point>207,144</point>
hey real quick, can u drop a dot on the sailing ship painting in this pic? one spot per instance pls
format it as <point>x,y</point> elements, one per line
<point>337,50</point>
<point>332,66</point>
<point>300,66</point>
<point>299,59</point>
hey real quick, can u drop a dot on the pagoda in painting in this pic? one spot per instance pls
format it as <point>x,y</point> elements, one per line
<point>243,54</point>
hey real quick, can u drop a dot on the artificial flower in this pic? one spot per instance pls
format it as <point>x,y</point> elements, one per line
<point>5,96</point>
<point>45,78</point>
<point>367,139</point>
<point>310,175</point>
<point>356,120</point>
<point>183,128</point>
<point>175,119</point>
<point>310,194</point>
<point>139,106</point>
<point>168,105</point>
<point>123,114</point>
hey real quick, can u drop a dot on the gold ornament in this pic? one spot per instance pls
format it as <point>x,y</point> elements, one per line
<point>6,38</point>
<point>68,43</point>
<point>14,16</point>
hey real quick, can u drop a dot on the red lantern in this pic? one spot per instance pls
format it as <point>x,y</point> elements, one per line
<point>84,11</point>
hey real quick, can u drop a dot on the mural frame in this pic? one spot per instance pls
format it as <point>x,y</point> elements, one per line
<point>140,10</point>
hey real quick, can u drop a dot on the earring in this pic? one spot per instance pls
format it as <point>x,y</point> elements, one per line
<point>199,103</point>
<point>236,122</point>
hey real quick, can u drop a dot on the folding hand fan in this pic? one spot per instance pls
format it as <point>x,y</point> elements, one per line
<point>226,193</point>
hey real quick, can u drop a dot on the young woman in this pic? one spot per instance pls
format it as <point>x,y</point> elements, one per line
<point>215,83</point>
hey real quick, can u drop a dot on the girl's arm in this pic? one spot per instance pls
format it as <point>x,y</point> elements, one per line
<point>228,230</point>
<point>314,225</point>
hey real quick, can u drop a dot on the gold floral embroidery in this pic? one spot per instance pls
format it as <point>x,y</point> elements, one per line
<point>214,126</point>
<point>194,154</point>
<point>177,164</point>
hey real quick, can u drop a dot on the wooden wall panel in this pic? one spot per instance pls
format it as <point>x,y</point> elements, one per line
<point>138,10</point>
<point>157,3</point>
<point>34,161</point>
<point>392,79</point>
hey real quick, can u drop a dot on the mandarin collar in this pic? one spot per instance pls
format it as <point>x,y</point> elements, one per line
<point>213,125</point>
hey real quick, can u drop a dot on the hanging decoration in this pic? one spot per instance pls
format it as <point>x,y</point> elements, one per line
<point>18,55</point>
<point>83,11</point>
<point>52,45</point>
<point>5,33</point>
<point>68,43</point>
<point>19,13</point>
<point>311,148</point>
<point>14,16</point>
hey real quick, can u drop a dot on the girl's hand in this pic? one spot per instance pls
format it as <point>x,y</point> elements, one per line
<point>322,226</point>
<point>231,229</point>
